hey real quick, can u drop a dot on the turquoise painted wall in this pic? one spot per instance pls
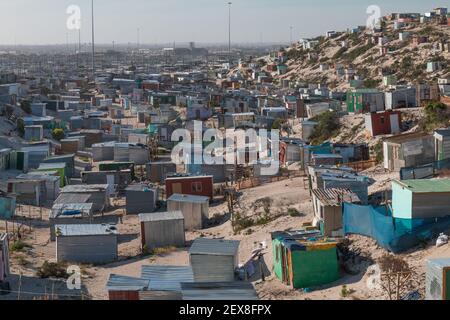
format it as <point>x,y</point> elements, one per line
<point>277,263</point>
<point>401,202</point>
<point>7,207</point>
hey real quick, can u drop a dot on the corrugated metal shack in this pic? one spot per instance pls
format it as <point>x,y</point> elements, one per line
<point>36,154</point>
<point>358,184</point>
<point>190,185</point>
<point>136,153</point>
<point>28,191</point>
<point>120,179</point>
<point>117,166</point>
<point>165,281</point>
<point>214,260</point>
<point>236,291</point>
<point>59,167</point>
<point>4,258</point>
<point>52,183</point>
<point>103,151</point>
<point>98,194</point>
<point>69,213</point>
<point>352,152</point>
<point>326,159</point>
<point>125,288</point>
<point>157,171</point>
<point>140,199</point>
<point>162,229</point>
<point>34,133</point>
<point>195,209</point>
<point>70,145</point>
<point>305,263</point>
<point>421,199</point>
<point>437,279</point>
<point>327,205</point>
<point>315,174</point>
<point>86,243</point>
<point>68,159</point>
<point>92,137</point>
<point>408,150</point>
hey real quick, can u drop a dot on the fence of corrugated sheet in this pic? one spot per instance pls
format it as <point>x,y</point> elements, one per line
<point>424,171</point>
<point>393,234</point>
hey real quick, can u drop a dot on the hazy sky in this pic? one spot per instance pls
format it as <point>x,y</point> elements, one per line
<point>165,21</point>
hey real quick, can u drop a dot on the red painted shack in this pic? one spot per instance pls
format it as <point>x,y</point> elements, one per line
<point>385,122</point>
<point>190,185</point>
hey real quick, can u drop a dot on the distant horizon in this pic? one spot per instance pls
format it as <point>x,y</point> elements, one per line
<point>44,22</point>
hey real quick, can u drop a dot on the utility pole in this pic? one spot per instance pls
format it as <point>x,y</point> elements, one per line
<point>93,42</point>
<point>229,31</point>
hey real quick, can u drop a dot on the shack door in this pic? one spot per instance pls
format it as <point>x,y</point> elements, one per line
<point>394,124</point>
<point>110,181</point>
<point>177,188</point>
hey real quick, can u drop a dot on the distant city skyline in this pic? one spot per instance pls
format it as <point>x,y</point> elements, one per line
<point>43,22</point>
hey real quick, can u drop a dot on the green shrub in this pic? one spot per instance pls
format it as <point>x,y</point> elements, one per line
<point>18,246</point>
<point>52,270</point>
<point>436,116</point>
<point>294,213</point>
<point>327,127</point>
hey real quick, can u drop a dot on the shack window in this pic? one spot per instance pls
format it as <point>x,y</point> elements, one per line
<point>197,187</point>
<point>382,120</point>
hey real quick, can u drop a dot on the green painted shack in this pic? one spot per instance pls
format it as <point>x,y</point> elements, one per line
<point>59,167</point>
<point>305,263</point>
<point>365,100</point>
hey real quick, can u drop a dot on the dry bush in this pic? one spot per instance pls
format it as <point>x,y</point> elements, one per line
<point>396,276</point>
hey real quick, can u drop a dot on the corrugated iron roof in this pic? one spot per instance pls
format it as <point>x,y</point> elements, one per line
<point>161,216</point>
<point>52,165</point>
<point>140,187</point>
<point>218,291</point>
<point>167,278</point>
<point>295,234</point>
<point>85,229</point>
<point>124,283</point>
<point>214,247</point>
<point>334,197</point>
<point>401,138</point>
<point>188,198</point>
<point>62,210</point>
<point>84,188</point>
<point>426,186</point>
<point>65,198</point>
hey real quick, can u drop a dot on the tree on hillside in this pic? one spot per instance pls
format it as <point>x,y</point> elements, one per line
<point>327,127</point>
<point>435,116</point>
